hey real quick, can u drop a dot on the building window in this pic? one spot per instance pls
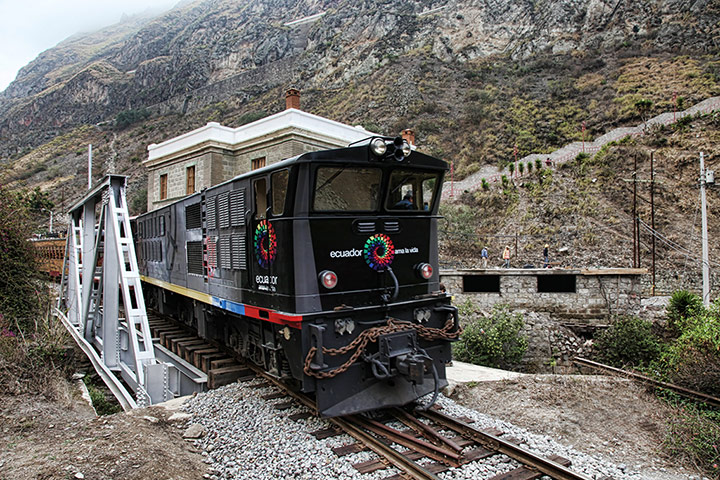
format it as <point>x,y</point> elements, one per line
<point>163,187</point>
<point>556,284</point>
<point>257,163</point>
<point>481,283</point>
<point>190,180</point>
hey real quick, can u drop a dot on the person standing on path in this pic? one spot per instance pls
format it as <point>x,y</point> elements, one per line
<point>546,256</point>
<point>506,256</point>
<point>484,257</point>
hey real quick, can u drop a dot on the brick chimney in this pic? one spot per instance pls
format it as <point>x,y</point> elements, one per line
<point>408,135</point>
<point>292,98</point>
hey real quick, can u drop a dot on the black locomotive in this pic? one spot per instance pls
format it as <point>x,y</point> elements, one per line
<point>320,268</point>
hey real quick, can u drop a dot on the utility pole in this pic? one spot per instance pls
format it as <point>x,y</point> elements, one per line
<point>636,233</point>
<point>652,216</point>
<point>89,166</point>
<point>705,255</point>
<point>452,179</point>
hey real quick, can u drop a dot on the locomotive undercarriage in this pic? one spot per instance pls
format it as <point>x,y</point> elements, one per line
<point>399,365</point>
<point>254,340</point>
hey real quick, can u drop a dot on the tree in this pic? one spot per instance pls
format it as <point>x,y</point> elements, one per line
<point>643,106</point>
<point>21,292</point>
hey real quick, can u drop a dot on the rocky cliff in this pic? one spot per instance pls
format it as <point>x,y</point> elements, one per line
<point>221,50</point>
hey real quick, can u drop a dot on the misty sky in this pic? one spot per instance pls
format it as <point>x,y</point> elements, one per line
<point>29,27</point>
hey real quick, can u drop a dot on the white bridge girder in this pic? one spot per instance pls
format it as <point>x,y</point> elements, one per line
<point>101,300</point>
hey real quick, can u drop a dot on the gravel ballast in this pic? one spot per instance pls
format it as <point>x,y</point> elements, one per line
<point>246,437</point>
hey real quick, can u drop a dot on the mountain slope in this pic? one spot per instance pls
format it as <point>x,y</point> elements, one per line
<point>473,78</point>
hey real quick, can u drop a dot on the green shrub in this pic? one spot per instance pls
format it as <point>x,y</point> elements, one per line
<point>695,435</point>
<point>628,342</point>
<point>538,164</point>
<point>485,184</point>
<point>693,360</point>
<point>521,168</point>
<point>493,341</point>
<point>683,306</point>
<point>582,156</point>
<point>99,400</point>
<point>21,291</point>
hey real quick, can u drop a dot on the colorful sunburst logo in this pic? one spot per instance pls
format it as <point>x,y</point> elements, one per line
<point>379,251</point>
<point>265,243</point>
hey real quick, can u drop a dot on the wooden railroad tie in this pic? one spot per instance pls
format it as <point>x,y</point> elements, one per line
<point>225,375</point>
<point>525,473</point>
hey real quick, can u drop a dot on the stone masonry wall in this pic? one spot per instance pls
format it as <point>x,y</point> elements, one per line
<point>595,300</point>
<point>558,325</point>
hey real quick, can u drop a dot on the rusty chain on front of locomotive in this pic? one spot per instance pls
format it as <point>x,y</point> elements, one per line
<point>372,334</point>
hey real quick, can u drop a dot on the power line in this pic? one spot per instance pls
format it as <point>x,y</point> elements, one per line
<point>673,245</point>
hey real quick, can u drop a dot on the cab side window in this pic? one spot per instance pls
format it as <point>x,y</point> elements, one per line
<point>260,188</point>
<point>412,190</point>
<point>278,191</point>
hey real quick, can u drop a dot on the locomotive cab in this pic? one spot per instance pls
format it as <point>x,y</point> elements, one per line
<point>366,263</point>
<point>321,268</point>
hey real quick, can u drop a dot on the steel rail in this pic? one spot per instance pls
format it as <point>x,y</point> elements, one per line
<point>407,466</point>
<point>529,459</point>
<point>686,392</point>
<point>427,430</point>
<point>439,454</point>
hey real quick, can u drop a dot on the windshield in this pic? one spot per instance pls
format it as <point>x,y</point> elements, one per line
<point>411,190</point>
<point>347,189</point>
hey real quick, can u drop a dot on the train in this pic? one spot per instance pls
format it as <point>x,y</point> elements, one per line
<point>322,269</point>
<point>49,252</point>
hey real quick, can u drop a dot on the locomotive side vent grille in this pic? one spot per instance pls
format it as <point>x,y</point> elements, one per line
<point>239,259</point>
<point>364,227</point>
<point>212,254</point>
<point>195,258</point>
<point>224,252</point>
<point>224,210</point>
<point>391,226</point>
<point>237,208</point>
<point>210,213</point>
<point>193,218</point>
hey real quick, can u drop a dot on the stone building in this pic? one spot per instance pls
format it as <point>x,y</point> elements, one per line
<point>214,153</point>
<point>572,297</point>
<point>561,308</point>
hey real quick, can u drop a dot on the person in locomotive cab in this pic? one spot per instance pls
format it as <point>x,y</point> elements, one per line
<point>406,203</point>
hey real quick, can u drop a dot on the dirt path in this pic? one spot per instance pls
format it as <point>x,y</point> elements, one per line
<point>609,418</point>
<point>62,439</point>
<point>614,419</point>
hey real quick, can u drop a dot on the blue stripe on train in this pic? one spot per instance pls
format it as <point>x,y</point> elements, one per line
<point>231,306</point>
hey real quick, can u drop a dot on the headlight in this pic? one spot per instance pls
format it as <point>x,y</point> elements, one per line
<point>344,325</point>
<point>378,147</point>
<point>406,148</point>
<point>425,270</point>
<point>328,279</point>
<point>422,315</point>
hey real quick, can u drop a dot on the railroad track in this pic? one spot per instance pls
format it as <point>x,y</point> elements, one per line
<point>420,444</point>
